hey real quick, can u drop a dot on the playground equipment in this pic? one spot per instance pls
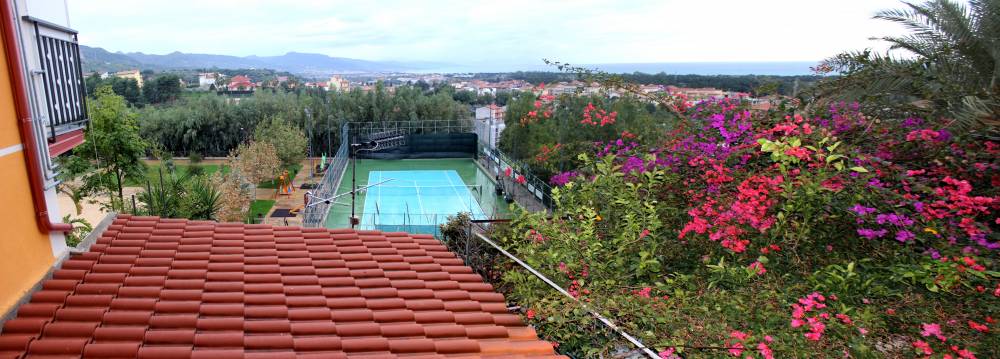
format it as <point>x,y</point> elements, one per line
<point>285,187</point>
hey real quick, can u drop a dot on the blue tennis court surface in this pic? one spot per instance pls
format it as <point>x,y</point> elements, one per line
<point>417,201</point>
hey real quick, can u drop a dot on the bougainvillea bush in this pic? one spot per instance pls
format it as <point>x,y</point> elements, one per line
<point>771,235</point>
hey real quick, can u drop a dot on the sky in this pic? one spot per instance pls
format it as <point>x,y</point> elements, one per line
<point>473,32</point>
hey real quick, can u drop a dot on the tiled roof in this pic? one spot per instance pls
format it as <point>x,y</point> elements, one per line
<point>164,288</point>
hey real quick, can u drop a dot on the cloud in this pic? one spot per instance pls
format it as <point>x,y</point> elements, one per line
<point>508,32</point>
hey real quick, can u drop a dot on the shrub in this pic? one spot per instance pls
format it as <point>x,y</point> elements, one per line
<point>195,170</point>
<point>771,235</point>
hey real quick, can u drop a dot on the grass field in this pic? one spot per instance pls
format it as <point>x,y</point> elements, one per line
<point>153,172</point>
<point>260,208</point>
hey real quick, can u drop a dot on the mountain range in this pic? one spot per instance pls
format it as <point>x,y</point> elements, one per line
<point>310,65</point>
<point>96,59</point>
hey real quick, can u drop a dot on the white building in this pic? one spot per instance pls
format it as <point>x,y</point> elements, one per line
<point>207,79</point>
<point>489,124</point>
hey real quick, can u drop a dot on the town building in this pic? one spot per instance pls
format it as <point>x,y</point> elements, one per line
<point>489,123</point>
<point>130,74</point>
<point>697,94</point>
<point>338,83</point>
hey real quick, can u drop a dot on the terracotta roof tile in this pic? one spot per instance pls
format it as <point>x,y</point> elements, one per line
<point>167,288</point>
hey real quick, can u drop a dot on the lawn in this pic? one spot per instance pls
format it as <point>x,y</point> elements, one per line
<point>259,208</point>
<point>153,172</point>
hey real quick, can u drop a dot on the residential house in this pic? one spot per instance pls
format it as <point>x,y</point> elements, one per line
<point>697,94</point>
<point>130,74</point>
<point>42,114</point>
<point>207,79</point>
<point>241,83</point>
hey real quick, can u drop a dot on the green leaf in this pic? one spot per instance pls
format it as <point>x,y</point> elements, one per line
<point>859,169</point>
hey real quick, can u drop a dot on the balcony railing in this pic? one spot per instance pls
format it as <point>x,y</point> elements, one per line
<point>62,76</point>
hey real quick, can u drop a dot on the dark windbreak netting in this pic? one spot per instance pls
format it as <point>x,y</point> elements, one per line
<point>436,145</point>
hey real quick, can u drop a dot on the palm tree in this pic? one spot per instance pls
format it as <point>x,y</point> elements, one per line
<point>952,71</point>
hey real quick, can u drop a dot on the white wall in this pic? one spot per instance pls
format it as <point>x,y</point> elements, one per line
<point>54,11</point>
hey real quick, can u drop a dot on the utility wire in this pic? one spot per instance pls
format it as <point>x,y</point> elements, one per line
<point>649,352</point>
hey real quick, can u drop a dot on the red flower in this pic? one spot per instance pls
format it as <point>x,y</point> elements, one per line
<point>531,314</point>
<point>982,328</point>
<point>923,347</point>
<point>507,171</point>
<point>521,179</point>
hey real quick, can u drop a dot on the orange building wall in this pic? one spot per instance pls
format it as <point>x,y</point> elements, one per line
<point>25,253</point>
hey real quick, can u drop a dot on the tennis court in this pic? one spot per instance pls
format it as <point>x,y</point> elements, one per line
<point>417,198</point>
<point>438,197</point>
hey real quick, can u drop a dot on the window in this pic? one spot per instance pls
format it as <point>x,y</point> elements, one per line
<point>62,76</point>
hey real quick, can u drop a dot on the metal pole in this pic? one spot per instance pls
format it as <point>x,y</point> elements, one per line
<point>354,180</point>
<point>312,164</point>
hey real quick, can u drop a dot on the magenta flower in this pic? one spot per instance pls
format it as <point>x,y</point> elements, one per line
<point>871,233</point>
<point>932,329</point>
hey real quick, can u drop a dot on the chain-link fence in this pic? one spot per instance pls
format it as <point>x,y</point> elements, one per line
<point>315,213</point>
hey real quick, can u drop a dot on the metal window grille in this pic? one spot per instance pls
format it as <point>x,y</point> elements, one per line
<point>62,76</point>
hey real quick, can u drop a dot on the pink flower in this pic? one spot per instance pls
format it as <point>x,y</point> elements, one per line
<point>862,331</point>
<point>644,292</point>
<point>757,267</point>
<point>765,351</point>
<point>668,354</point>
<point>645,232</point>
<point>521,179</point>
<point>736,349</point>
<point>530,314</point>
<point>738,335</point>
<point>963,353</point>
<point>932,329</point>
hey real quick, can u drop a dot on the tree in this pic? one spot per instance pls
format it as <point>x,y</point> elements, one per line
<point>287,139</point>
<point>234,197</point>
<point>503,97</point>
<point>127,88</point>
<point>255,162</point>
<point>954,72</point>
<point>113,150</point>
<point>164,88</point>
